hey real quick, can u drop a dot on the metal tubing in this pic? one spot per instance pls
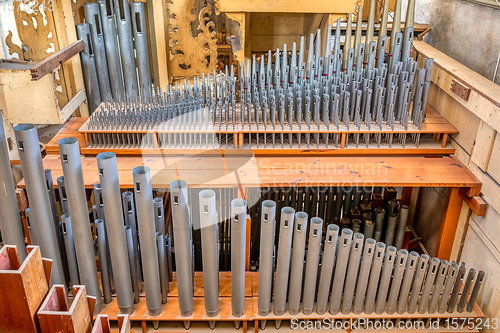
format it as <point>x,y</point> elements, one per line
<point>466,290</point>
<point>163,266</point>
<point>312,264</point>
<point>400,233</point>
<point>327,264</point>
<point>343,250</point>
<point>130,221</point>
<point>159,215</point>
<point>266,271</point>
<point>411,265</point>
<point>103,259</point>
<point>132,263</point>
<point>456,289</point>
<point>181,221</point>
<point>70,250</point>
<point>385,279</point>
<point>297,268</point>
<point>238,255</point>
<point>379,223</point>
<point>352,272</point>
<point>78,210</point>
<point>438,288</point>
<point>147,233</point>
<point>283,263</point>
<point>53,206</point>
<point>63,197</point>
<point>111,46</point>
<point>448,285</point>
<point>423,262</point>
<point>364,272</point>
<point>475,291</point>
<point>93,17</point>
<point>369,229</point>
<point>110,190</point>
<point>40,212</point>
<point>371,290</point>
<point>429,283</point>
<point>397,279</point>
<point>138,14</point>
<point>88,67</point>
<point>11,226</point>
<point>391,227</point>
<point>124,27</point>
<point>210,251</point>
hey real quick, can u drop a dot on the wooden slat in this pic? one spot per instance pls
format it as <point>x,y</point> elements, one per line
<point>287,6</point>
<point>476,203</point>
<point>53,61</point>
<point>449,225</point>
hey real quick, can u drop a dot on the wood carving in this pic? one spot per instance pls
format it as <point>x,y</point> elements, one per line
<point>191,55</point>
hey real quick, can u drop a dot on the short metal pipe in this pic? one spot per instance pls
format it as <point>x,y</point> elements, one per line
<point>429,283</point>
<point>163,266</point>
<point>159,215</point>
<point>466,290</point>
<point>456,289</point>
<point>63,197</point>
<point>397,280</point>
<point>423,262</point>
<point>379,223</point>
<point>391,227</point>
<point>371,290</point>
<point>138,14</point>
<point>238,256</point>
<point>103,259</point>
<point>475,291</point>
<point>439,285</point>
<point>312,264</point>
<point>70,250</point>
<point>385,279</point>
<point>364,273</point>
<point>131,260</point>
<point>400,233</point>
<point>210,251</point>
<point>130,221</point>
<point>78,209</point>
<point>88,67</point>
<point>369,229</point>
<point>266,258</point>
<point>110,189</point>
<point>11,225</point>
<point>352,272</point>
<point>448,285</point>
<point>41,217</point>
<point>143,191</point>
<point>411,266</point>
<point>327,264</point>
<point>344,248</point>
<point>297,266</point>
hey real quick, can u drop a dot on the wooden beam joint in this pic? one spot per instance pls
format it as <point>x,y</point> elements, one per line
<point>53,61</point>
<point>475,203</point>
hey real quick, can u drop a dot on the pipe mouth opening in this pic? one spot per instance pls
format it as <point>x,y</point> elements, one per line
<point>369,222</point>
<point>393,215</point>
<point>106,155</point>
<point>347,231</point>
<point>99,221</point>
<point>359,236</point>
<point>269,204</point>
<point>403,251</point>
<point>64,216</point>
<point>24,127</point>
<point>379,210</point>
<point>47,171</point>
<point>127,194</point>
<point>405,207</point>
<point>239,203</point>
<point>60,179</point>
<point>391,249</point>
<point>207,194</point>
<point>454,264</point>
<point>301,215</point>
<point>414,254</point>
<point>68,141</point>
<point>425,256</point>
<point>157,200</point>
<point>97,186</point>
<point>371,241</point>
<point>317,220</point>
<point>141,170</point>
<point>333,227</point>
<point>436,260</point>
<point>178,184</point>
<point>380,245</point>
<point>158,233</point>
<point>287,210</point>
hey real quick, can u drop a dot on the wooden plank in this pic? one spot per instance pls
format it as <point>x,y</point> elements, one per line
<point>53,61</point>
<point>476,203</point>
<point>158,34</point>
<point>287,6</point>
<point>483,147</point>
<point>449,225</point>
<point>73,104</point>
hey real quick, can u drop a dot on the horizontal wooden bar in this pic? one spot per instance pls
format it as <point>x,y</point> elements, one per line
<point>476,203</point>
<point>53,61</point>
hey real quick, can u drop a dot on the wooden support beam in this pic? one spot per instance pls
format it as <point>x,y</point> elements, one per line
<point>476,203</point>
<point>449,225</point>
<point>158,34</point>
<point>53,61</point>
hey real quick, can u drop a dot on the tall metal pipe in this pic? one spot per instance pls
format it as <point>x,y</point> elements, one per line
<point>138,14</point>
<point>147,233</point>
<point>297,268</point>
<point>40,213</point>
<point>411,266</point>
<point>423,262</point>
<point>379,223</point>
<point>400,233</point>
<point>78,210</point>
<point>70,250</point>
<point>266,258</point>
<point>103,259</point>
<point>439,285</point>
<point>238,256</point>
<point>93,17</point>
<point>352,272</point>
<point>132,263</point>
<point>110,189</point>
<point>448,285</point>
<point>11,226</point>
<point>371,290</point>
<point>456,289</point>
<point>385,279</point>
<point>391,227</point>
<point>475,291</point>
<point>429,283</point>
<point>466,290</point>
<point>210,251</point>
<point>111,46</point>
<point>88,67</point>
<point>181,221</point>
<point>124,27</point>
<point>397,279</point>
<point>312,264</point>
<point>130,221</point>
<point>163,266</point>
<point>327,264</point>
<point>364,273</point>
<point>344,247</point>
<point>283,262</point>
<point>63,197</point>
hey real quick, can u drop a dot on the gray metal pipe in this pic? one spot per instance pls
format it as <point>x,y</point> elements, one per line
<point>283,262</point>
<point>416,286</point>
<point>159,215</point>
<point>210,251</point>
<point>266,258</point>
<point>88,67</point>
<point>110,190</point>
<point>93,18</point>
<point>364,273</point>
<point>103,260</point>
<point>327,264</point>
<point>130,221</point>
<point>312,264</point>
<point>475,291</point>
<point>439,285</point>
<point>411,266</point>
<point>466,290</point>
<point>429,283</point>
<point>369,229</point>
<point>238,256</point>
<point>448,285</point>
<point>124,27</point>
<point>168,249</point>
<point>31,229</point>
<point>297,267</point>
<point>400,233</point>
<point>138,14</point>
<point>70,250</point>
<point>456,289</point>
<point>11,226</point>
<point>397,280</point>
<point>63,197</point>
<point>352,272</point>
<point>379,223</point>
<point>111,46</point>
<point>78,209</point>
<point>183,245</point>
<point>391,227</point>
<point>147,233</point>
<point>131,260</point>
<point>41,217</point>
<point>100,215</point>
<point>385,279</point>
<point>163,266</point>
<point>339,276</point>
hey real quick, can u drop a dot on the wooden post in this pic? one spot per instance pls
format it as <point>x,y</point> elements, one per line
<point>158,34</point>
<point>449,224</point>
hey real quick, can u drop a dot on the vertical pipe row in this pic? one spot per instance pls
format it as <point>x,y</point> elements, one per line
<point>138,16</point>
